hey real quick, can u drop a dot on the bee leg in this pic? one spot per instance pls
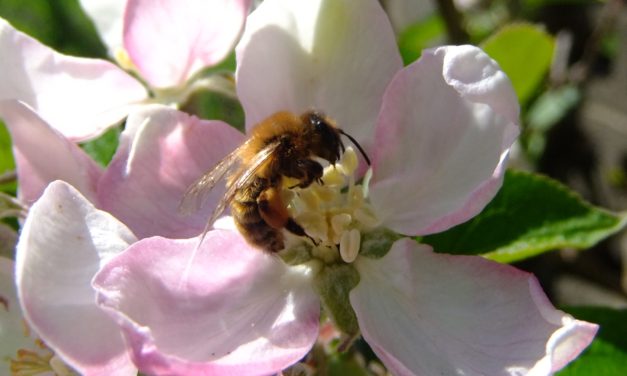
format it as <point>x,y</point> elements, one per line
<point>273,211</point>
<point>296,229</point>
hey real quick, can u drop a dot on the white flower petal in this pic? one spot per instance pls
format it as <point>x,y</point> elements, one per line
<point>443,136</point>
<point>162,151</point>
<point>170,40</point>
<point>336,56</point>
<point>78,96</point>
<point>433,314</point>
<point>223,308</point>
<point>107,16</point>
<point>43,155</point>
<point>63,243</point>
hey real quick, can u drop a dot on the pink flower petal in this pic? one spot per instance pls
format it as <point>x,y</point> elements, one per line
<point>80,97</point>
<point>225,308</point>
<point>63,242</point>
<point>43,155</point>
<point>432,314</point>
<point>336,56</point>
<point>443,136</point>
<point>170,40</point>
<point>162,151</point>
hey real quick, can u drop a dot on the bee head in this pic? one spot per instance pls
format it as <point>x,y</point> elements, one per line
<point>323,137</point>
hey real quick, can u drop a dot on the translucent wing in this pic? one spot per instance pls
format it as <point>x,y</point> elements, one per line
<point>196,194</point>
<point>242,178</point>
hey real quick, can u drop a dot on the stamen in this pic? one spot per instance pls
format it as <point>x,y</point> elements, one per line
<point>333,177</point>
<point>349,163</point>
<point>37,360</point>
<point>349,245</point>
<point>335,214</point>
<point>30,363</point>
<point>339,223</point>
<point>314,225</point>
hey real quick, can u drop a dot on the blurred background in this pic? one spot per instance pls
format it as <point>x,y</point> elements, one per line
<point>568,62</point>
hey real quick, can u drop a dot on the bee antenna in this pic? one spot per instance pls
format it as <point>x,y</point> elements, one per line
<point>361,150</point>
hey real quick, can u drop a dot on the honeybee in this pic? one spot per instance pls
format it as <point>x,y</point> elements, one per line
<point>283,145</point>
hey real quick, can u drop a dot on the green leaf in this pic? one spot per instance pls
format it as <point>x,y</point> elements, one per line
<point>6,154</point>
<point>61,25</point>
<point>530,215</point>
<point>103,148</point>
<point>7,163</point>
<point>216,106</point>
<point>481,23</point>
<point>607,355</point>
<point>346,365</point>
<point>551,106</point>
<point>544,113</point>
<point>524,52</point>
<point>419,36</point>
<point>534,4</point>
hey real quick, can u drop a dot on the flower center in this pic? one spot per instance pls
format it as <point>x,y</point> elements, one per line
<point>43,361</point>
<point>334,214</point>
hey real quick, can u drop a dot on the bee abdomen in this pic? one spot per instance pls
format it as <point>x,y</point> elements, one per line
<point>254,228</point>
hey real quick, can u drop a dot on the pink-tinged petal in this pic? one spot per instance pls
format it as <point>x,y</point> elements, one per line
<point>336,56</point>
<point>107,16</point>
<point>161,152</point>
<point>78,96</point>
<point>170,40</point>
<point>63,243</point>
<point>433,314</point>
<point>43,155</point>
<point>224,308</point>
<point>443,137</point>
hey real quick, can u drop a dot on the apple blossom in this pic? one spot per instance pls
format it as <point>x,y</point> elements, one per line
<point>167,43</point>
<point>438,132</point>
<point>65,238</point>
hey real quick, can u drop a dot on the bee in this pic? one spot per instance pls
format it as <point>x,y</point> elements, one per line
<point>283,145</point>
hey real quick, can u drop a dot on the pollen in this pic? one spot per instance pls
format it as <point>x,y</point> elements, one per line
<point>335,213</point>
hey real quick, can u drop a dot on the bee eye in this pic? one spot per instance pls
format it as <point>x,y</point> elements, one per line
<point>316,121</point>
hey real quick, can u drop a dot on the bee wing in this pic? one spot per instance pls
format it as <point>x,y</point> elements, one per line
<point>196,194</point>
<point>243,178</point>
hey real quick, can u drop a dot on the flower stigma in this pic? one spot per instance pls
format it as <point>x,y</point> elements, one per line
<point>333,214</point>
